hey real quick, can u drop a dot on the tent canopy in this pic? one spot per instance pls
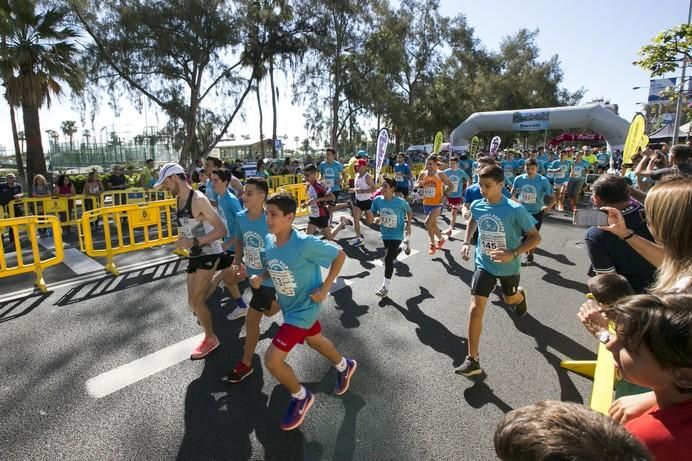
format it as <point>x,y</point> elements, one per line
<point>593,117</point>
<point>666,132</point>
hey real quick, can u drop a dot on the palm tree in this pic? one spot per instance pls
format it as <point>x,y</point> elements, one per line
<point>87,135</point>
<point>37,53</point>
<point>69,128</point>
<point>21,136</point>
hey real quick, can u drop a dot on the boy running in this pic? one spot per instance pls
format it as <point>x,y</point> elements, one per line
<point>402,174</point>
<point>250,233</point>
<point>536,194</point>
<point>560,169</point>
<point>432,181</point>
<point>393,212</point>
<point>501,223</point>
<point>320,196</point>
<point>293,263</point>
<point>460,180</point>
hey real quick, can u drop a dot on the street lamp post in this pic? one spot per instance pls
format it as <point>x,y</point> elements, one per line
<point>678,104</point>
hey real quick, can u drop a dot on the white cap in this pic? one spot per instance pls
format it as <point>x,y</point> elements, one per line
<point>167,170</point>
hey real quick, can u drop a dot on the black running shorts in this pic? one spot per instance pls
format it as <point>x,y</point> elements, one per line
<point>484,282</point>
<point>209,262</point>
<point>262,298</point>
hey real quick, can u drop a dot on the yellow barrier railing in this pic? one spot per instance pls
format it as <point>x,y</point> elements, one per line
<point>300,193</point>
<point>31,224</point>
<point>131,196</point>
<point>134,225</point>
<point>68,210</point>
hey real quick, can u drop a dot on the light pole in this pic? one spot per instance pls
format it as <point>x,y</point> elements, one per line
<point>678,104</point>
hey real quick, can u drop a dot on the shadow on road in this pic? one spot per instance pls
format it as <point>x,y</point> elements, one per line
<point>554,277</point>
<point>480,394</point>
<point>430,331</point>
<point>350,310</point>
<point>453,267</point>
<point>562,259</point>
<point>18,307</point>
<point>106,285</point>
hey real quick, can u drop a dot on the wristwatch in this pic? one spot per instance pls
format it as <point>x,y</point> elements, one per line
<point>603,336</point>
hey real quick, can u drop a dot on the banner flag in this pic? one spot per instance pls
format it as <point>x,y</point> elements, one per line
<point>634,138</point>
<point>473,148</point>
<point>439,137</point>
<point>382,142</point>
<point>495,146</point>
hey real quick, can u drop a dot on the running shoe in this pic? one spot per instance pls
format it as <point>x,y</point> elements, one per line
<point>297,409</point>
<point>239,372</point>
<point>406,246</point>
<point>470,367</point>
<point>343,378</point>
<point>440,243</point>
<point>237,313</point>
<point>521,308</point>
<point>525,260</point>
<point>431,250</point>
<point>382,292</point>
<point>529,257</point>
<point>356,242</point>
<point>206,347</point>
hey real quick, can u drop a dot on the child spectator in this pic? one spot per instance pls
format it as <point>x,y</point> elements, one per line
<point>554,430</point>
<point>605,289</point>
<point>652,347</point>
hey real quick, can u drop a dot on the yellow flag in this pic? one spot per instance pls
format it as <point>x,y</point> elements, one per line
<point>644,142</point>
<point>634,138</point>
<point>475,143</point>
<point>439,137</point>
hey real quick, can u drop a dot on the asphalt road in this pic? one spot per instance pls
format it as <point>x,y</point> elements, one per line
<point>405,402</point>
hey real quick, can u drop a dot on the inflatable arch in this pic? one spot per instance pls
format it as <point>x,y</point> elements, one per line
<point>592,116</point>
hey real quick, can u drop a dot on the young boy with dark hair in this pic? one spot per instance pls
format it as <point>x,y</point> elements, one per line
<point>604,290</point>
<point>293,263</point>
<point>320,197</point>
<point>553,430</point>
<point>652,347</point>
<point>501,223</point>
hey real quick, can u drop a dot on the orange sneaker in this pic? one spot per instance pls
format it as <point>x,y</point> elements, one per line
<point>431,250</point>
<point>206,347</point>
<point>440,243</point>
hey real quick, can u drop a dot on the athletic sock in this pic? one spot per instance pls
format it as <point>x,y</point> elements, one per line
<point>386,283</point>
<point>240,303</point>
<point>341,366</point>
<point>301,394</point>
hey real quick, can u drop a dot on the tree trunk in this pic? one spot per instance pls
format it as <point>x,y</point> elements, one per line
<point>271,82</point>
<point>17,151</point>
<point>261,119</point>
<point>35,161</point>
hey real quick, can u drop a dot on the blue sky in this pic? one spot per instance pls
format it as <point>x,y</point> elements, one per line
<point>595,40</point>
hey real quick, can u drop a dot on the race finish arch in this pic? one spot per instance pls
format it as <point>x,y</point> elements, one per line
<point>594,117</point>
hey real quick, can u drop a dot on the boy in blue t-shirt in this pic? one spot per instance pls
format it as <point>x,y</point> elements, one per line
<point>228,206</point>
<point>293,263</point>
<point>536,194</point>
<point>402,175</point>
<point>508,166</point>
<point>560,169</point>
<point>460,180</point>
<point>501,223</point>
<point>250,232</point>
<point>466,164</point>
<point>577,177</point>
<point>393,213</point>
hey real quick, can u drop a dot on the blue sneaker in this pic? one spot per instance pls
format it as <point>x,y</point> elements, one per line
<point>343,378</point>
<point>296,412</point>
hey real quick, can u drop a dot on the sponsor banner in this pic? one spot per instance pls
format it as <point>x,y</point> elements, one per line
<point>530,120</point>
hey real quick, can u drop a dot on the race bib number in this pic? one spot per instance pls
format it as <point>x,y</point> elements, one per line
<point>527,197</point>
<point>429,192</point>
<point>561,174</point>
<point>314,211</point>
<point>578,171</point>
<point>455,185</point>
<point>389,220</point>
<point>491,241</point>
<point>399,177</point>
<point>284,282</point>
<point>252,258</point>
<point>329,182</point>
<point>185,230</point>
<point>550,174</point>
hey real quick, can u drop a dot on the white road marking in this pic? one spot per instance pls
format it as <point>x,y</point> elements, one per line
<point>112,381</point>
<point>79,263</point>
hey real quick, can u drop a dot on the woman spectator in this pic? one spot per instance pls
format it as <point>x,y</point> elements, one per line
<point>261,171</point>
<point>39,187</point>
<point>65,188</point>
<point>92,193</point>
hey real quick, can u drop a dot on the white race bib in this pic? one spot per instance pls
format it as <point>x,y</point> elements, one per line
<point>399,177</point>
<point>252,258</point>
<point>389,220</point>
<point>284,282</point>
<point>491,241</point>
<point>314,211</point>
<point>527,197</point>
<point>329,182</point>
<point>429,192</point>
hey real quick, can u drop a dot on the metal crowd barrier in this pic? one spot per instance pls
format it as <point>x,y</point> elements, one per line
<point>68,210</point>
<point>134,225</point>
<point>30,224</point>
<point>133,195</point>
<point>300,193</point>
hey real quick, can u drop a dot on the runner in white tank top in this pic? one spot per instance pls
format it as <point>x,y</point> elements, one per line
<point>363,190</point>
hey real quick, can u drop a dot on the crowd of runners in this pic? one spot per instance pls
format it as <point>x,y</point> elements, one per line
<point>237,232</point>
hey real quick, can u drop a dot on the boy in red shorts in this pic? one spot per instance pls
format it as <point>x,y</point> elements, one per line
<point>293,263</point>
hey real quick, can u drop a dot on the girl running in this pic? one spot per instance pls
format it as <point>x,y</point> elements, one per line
<point>432,181</point>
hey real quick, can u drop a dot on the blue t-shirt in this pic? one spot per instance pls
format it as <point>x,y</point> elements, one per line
<point>473,193</point>
<point>603,159</point>
<point>580,169</point>
<point>330,175</point>
<point>518,164</point>
<point>209,191</point>
<point>562,176</point>
<point>457,177</point>
<point>474,171</point>
<point>392,216</point>
<point>228,206</point>
<point>508,166</point>
<point>253,233</point>
<point>295,270</point>
<point>500,225</point>
<point>531,191</point>
<point>466,164</point>
<point>402,174</point>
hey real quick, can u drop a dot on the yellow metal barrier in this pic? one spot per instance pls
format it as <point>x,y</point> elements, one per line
<point>36,264</point>
<point>602,371</point>
<point>300,193</point>
<point>68,210</point>
<point>131,196</point>
<point>134,225</point>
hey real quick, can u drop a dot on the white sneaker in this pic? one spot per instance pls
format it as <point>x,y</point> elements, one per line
<point>356,242</point>
<point>406,247</point>
<point>237,313</point>
<point>382,292</point>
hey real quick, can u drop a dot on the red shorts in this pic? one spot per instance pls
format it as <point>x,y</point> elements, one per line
<point>454,201</point>
<point>290,335</point>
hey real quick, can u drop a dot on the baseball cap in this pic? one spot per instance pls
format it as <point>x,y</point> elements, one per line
<point>362,162</point>
<point>167,170</point>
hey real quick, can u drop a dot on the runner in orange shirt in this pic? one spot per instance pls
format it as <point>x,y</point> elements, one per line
<point>432,182</point>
